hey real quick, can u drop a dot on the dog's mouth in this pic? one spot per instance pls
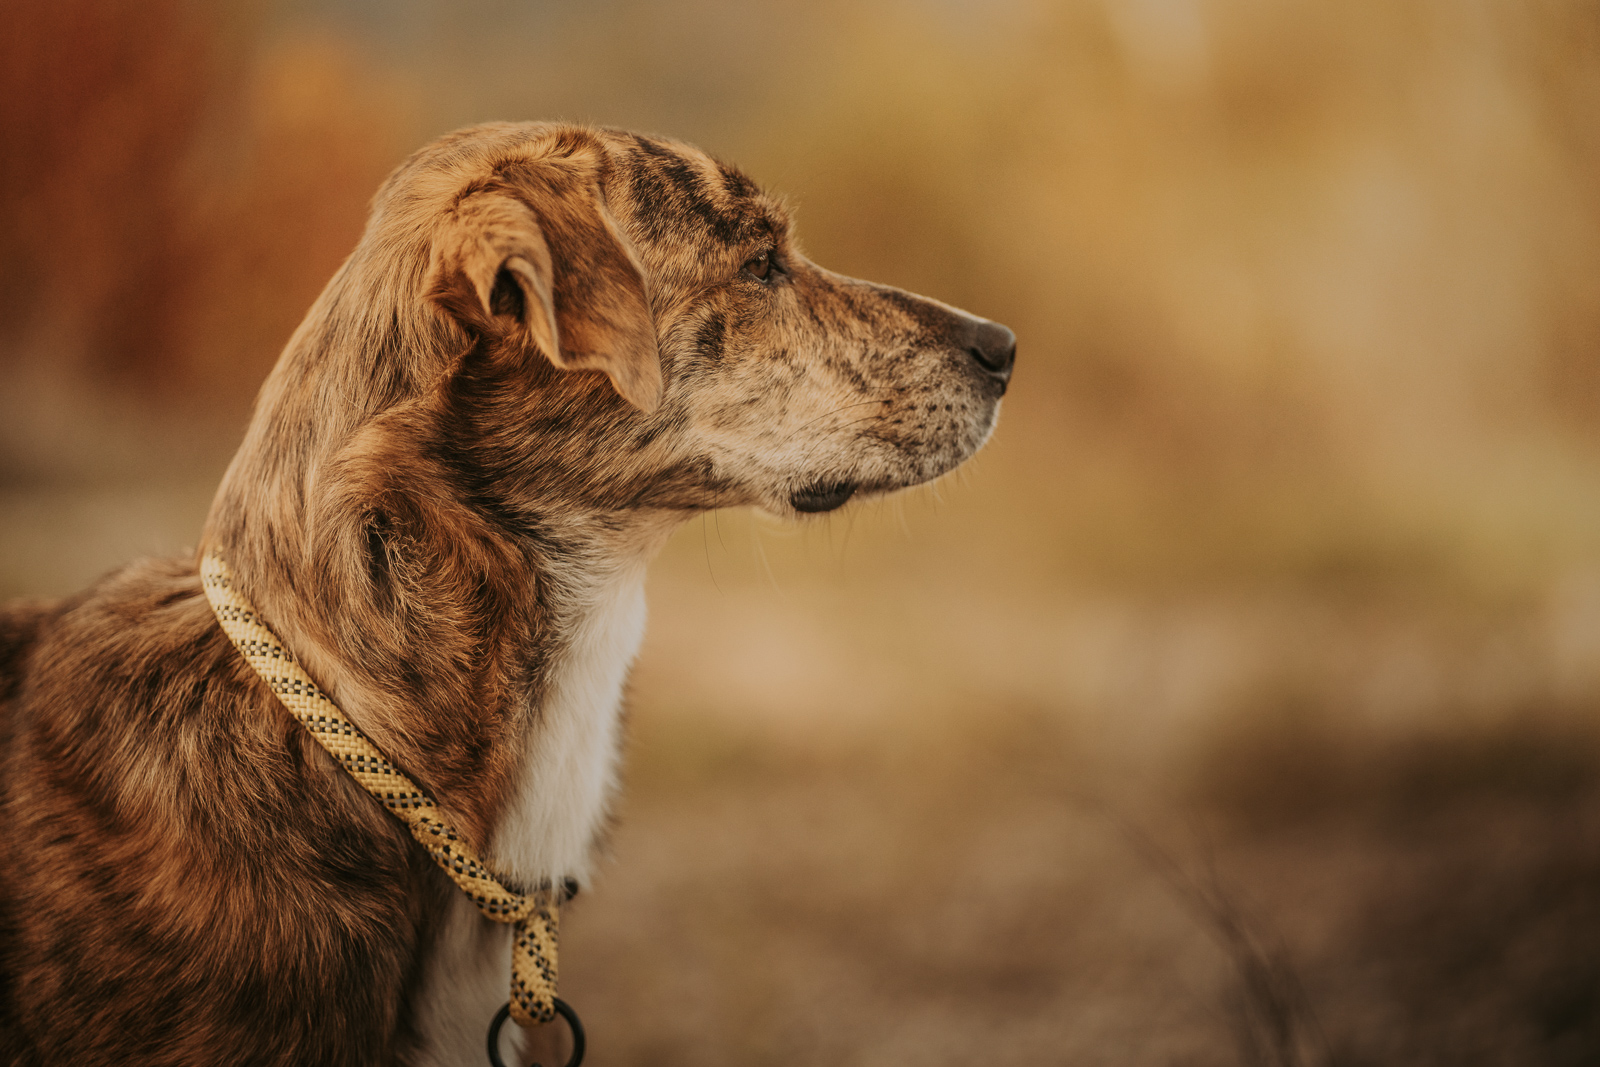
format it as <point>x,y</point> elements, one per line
<point>822,496</point>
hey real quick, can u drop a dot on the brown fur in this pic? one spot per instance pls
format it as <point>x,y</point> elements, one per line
<point>549,347</point>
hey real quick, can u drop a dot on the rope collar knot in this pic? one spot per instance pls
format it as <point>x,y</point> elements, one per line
<point>533,958</point>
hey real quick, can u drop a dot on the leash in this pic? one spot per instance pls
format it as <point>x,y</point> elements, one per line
<point>533,956</point>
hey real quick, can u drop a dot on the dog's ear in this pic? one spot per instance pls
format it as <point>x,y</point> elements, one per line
<point>557,273</point>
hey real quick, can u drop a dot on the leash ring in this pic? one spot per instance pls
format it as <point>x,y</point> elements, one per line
<point>563,1009</point>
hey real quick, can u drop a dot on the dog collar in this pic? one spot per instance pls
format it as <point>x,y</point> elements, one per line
<point>533,959</point>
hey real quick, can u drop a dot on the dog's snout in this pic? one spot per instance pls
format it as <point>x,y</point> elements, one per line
<point>994,348</point>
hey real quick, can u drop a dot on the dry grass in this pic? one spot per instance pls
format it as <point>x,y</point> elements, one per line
<point>971,906</point>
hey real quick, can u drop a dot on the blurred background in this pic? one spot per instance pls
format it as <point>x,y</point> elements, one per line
<point>1239,704</point>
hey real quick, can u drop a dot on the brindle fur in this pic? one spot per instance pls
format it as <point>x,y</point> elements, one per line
<point>544,353</point>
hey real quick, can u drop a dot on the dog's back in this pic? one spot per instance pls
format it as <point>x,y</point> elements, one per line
<point>19,630</point>
<point>19,627</point>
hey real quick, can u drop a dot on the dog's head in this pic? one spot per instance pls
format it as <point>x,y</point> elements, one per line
<point>550,344</point>
<point>625,322</point>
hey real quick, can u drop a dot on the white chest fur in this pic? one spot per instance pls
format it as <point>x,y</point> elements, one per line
<point>570,772</point>
<point>554,817</point>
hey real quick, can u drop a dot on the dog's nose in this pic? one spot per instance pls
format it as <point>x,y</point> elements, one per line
<point>995,348</point>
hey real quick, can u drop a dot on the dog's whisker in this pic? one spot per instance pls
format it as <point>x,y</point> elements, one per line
<point>826,415</point>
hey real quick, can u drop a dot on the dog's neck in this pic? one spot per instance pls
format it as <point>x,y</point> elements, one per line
<point>485,653</point>
<point>469,602</point>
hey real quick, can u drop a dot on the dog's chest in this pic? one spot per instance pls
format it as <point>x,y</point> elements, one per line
<point>570,762</point>
<point>550,827</point>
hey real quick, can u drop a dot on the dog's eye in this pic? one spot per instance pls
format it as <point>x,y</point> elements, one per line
<point>759,267</point>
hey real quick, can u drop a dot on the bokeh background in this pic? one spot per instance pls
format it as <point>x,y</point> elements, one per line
<point>1240,704</point>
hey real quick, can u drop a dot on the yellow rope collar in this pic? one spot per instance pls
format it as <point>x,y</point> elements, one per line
<point>533,960</point>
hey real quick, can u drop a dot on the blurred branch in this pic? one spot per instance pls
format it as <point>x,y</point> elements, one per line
<point>1277,1025</point>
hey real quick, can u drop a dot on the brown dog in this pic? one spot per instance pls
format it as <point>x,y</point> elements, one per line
<point>551,346</point>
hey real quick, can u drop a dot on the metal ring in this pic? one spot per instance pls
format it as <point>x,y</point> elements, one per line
<point>563,1009</point>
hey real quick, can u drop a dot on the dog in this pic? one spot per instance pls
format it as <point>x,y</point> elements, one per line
<point>551,346</point>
